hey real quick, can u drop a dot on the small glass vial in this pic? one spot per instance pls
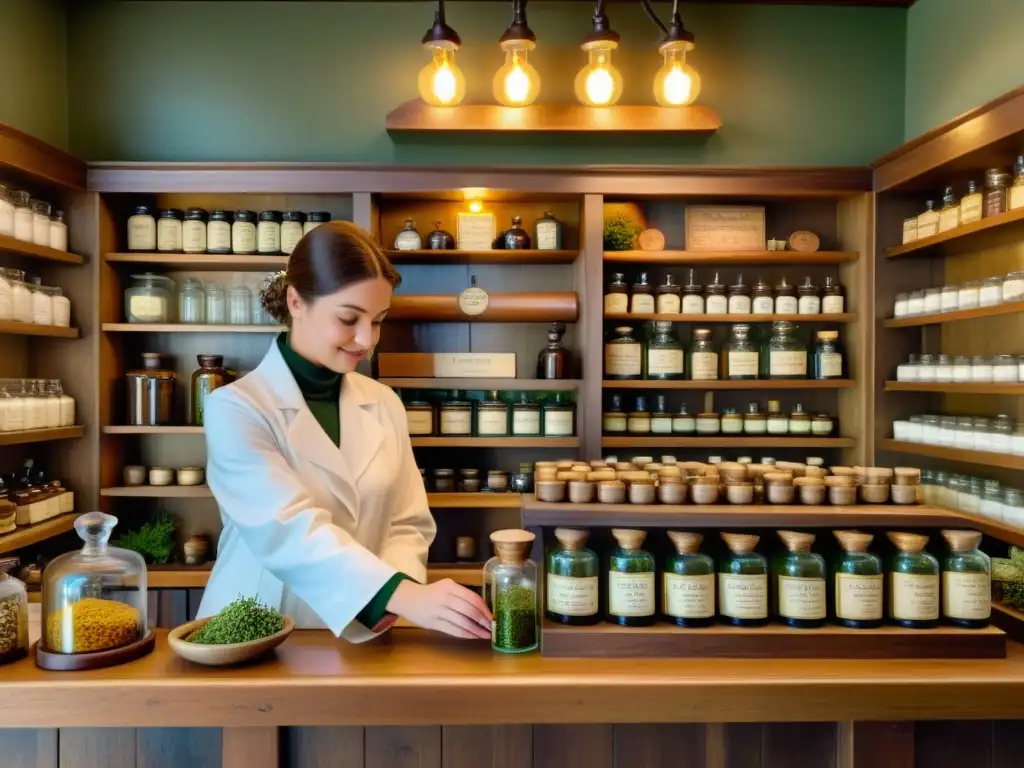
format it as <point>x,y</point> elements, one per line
<point>777,421</point>
<point>926,368</point>
<point>810,299</point>
<point>966,581</point>
<point>642,299</point>
<point>981,369</point>
<point>833,302</point>
<point>703,356</point>
<point>623,356</point>
<point>314,220</point>
<point>969,295</point>
<point>949,213</point>
<point>510,591</point>
<point>456,416</point>
<point>828,358</point>
<point>715,302</point>
<point>708,423</point>
<point>739,298</point>
<point>268,233</point>
<point>668,300</point>
<point>492,416</point>
<point>741,355</point>
<point>141,228</point>
<point>859,582</point>
<point>743,582</point>
<point>665,359</point>
<point>1013,285</point>
<point>914,582</point>
<point>932,301</point>
<point>419,415</point>
<point>997,183</point>
<point>991,292</point>
<point>193,231</point>
<point>799,421</point>
<point>786,302</point>
<point>693,296</point>
<point>1004,368</point>
<point>684,422</point>
<point>638,422</point>
<point>559,416</point>
<point>799,582</point>
<point>40,222</point>
<point>763,300</point>
<point>928,221</point>
<point>218,232</point>
<point>572,580</point>
<point>901,306</point>
<point>908,371</point>
<point>909,230</point>
<point>787,356</point>
<point>755,422</point>
<point>661,419</point>
<point>169,231</point>
<point>243,233</point>
<point>631,590</point>
<point>944,369</point>
<point>971,208</point>
<point>732,422</point>
<point>688,587</point>
<point>613,420</point>
<point>949,299</point>
<point>616,295</point>
<point>525,417</point>
<point>58,230</point>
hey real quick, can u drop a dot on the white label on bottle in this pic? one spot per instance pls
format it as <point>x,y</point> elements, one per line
<point>782,363</point>
<point>268,237</point>
<point>949,218</point>
<point>1013,289</point>
<point>763,305</point>
<point>1016,196</point>
<point>970,208</point>
<point>456,422</point>
<point>927,224</point>
<point>809,305</point>
<point>786,305</point>
<point>689,597</point>
<point>859,597</point>
<point>915,597</point>
<point>525,422</point>
<point>743,596</point>
<point>831,365</point>
<point>168,235</point>
<point>664,362</point>
<point>572,595</point>
<point>638,424</point>
<point>739,305</point>
<point>6,302</point>
<point>558,423</point>
<point>742,364</point>
<point>490,422</point>
<point>147,309</point>
<point>243,237</point>
<point>291,233</point>
<point>693,305</point>
<point>6,218</point>
<point>668,304</point>
<point>661,424</point>
<point>616,303</point>
<point>547,236</point>
<point>909,230</point>
<point>704,366</point>
<point>684,425</point>
<point>141,233</point>
<point>832,305</point>
<point>643,303</point>
<point>716,305</point>
<point>613,423</point>
<point>218,236</point>
<point>630,594</point>
<point>193,236</point>
<point>622,359</point>
<point>420,422</point>
<point>966,595</point>
<point>801,598</point>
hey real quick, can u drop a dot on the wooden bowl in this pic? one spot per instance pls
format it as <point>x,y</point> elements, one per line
<point>222,655</point>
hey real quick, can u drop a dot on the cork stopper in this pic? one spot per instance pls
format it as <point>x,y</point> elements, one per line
<point>629,538</point>
<point>907,542</point>
<point>740,543</point>
<point>853,541</point>
<point>797,541</point>
<point>960,541</point>
<point>686,543</point>
<point>512,545</point>
<point>572,538</point>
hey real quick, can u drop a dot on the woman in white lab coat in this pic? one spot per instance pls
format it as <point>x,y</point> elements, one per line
<point>324,512</point>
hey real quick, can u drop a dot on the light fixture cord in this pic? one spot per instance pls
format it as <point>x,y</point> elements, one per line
<point>653,16</point>
<point>440,11</point>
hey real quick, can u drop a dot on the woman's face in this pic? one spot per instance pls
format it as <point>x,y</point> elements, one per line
<point>340,329</point>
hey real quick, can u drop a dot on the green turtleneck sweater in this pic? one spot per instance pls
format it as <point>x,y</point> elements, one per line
<point>321,389</point>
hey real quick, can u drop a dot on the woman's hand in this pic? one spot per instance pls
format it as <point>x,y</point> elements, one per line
<point>443,606</point>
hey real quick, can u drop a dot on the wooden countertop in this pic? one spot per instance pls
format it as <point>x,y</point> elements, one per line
<point>413,678</point>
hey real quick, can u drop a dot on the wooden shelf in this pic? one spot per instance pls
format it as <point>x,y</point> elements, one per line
<point>730,257</point>
<point>415,117</point>
<point>532,256</point>
<point>975,236</point>
<point>178,576</point>
<point>952,317</point>
<point>24,436</point>
<point>474,500</point>
<point>1010,620</point>
<point>719,441</point>
<point>495,442</point>
<point>159,492</point>
<point>473,385</point>
<point>728,384</point>
<point>31,329</point>
<point>989,458</point>
<point>466,574</point>
<point>534,307</point>
<point>132,430</point>
<point>27,535</point>
<point>182,328</point>
<point>13,246</point>
<point>956,388</point>
<point>819,319</point>
<point>29,157</point>
<point>213,262</point>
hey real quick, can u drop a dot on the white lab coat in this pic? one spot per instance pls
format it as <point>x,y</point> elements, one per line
<point>309,528</point>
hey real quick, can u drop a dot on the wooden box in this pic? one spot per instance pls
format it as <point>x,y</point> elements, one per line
<point>725,228</point>
<point>454,365</point>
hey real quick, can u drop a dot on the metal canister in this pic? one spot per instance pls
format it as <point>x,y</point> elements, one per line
<point>150,393</point>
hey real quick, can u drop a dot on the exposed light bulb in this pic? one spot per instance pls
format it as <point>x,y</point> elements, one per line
<point>475,206</point>
<point>677,83</point>
<point>599,82</point>
<point>516,83</point>
<point>441,82</point>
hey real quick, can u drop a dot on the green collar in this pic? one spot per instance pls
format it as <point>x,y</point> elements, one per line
<point>315,381</point>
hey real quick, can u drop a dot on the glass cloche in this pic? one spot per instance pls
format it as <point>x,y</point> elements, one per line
<point>13,613</point>
<point>94,599</point>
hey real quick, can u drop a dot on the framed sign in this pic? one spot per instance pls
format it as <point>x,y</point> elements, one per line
<point>725,228</point>
<point>476,231</point>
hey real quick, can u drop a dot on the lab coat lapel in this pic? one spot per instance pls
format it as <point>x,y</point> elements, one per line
<point>361,431</point>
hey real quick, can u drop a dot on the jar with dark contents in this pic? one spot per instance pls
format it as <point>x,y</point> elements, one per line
<point>210,375</point>
<point>444,480</point>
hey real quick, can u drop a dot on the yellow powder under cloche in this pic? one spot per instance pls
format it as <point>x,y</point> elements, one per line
<point>95,625</point>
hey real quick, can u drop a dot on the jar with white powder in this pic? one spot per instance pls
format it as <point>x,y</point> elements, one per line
<point>6,212</point>
<point>40,222</point>
<point>24,223</point>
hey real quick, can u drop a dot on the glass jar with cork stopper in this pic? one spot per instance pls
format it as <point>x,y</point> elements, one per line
<point>688,593</point>
<point>966,581</point>
<point>572,580</point>
<point>13,613</point>
<point>913,582</point>
<point>859,582</point>
<point>510,590</point>
<point>630,580</point>
<point>799,582</point>
<point>743,582</point>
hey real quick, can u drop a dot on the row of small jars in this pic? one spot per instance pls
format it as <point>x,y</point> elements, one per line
<point>989,292</point>
<point>149,300</point>
<point>32,221</point>
<point>243,232</point>
<point>961,368</point>
<point>973,495</point>
<point>34,404</point>
<point>494,416</point>
<point>975,433</point>
<point>466,480</point>
<point>31,302</point>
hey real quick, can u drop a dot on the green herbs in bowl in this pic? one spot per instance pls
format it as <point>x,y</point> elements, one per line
<point>244,630</point>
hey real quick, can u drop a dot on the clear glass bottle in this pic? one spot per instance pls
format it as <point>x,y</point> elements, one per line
<point>949,213</point>
<point>786,302</point>
<point>755,422</point>
<point>913,582</point>
<point>833,300</point>
<point>809,302</point>
<point>928,221</point>
<point>13,612</point>
<point>559,416</point>
<point>799,594</point>
<point>966,581</point>
<point>684,422</point>
<point>623,356</point>
<point>742,582</point>
<point>703,356</point>
<point>572,580</point>
<point>715,302</point>
<point>169,231</point>
<point>777,421</point>
<point>192,302</point>
<point>510,590</point>
<point>24,220</point>
<point>668,299</point>
<point>739,297</point>
<point>616,295</point>
<point>858,589</point>
<point>828,358</point>
<point>787,355</point>
<point>638,422</point>
<point>763,299</point>
<point>58,231</point>
<point>661,419</point>
<point>665,359</point>
<point>688,582</point>
<point>239,305</point>
<point>991,292</point>
<point>525,417</point>
<point>216,305</point>
<point>944,369</point>
<point>613,420</point>
<point>148,300</point>
<point>741,355</point>
<point>693,296</point>
<point>642,299</point>
<point>971,208</point>
<point>491,416</point>
<point>1001,434</point>
<point>1013,507</point>
<point>455,416</point>
<point>40,222</point>
<point>631,589</point>
<point>991,500</point>
<point>949,298</point>
<point>997,184</point>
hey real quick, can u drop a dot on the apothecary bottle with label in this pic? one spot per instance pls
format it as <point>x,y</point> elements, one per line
<point>638,421</point>
<point>291,230</point>
<point>693,296</point>
<point>833,302</point>
<point>623,356</point>
<point>786,302</point>
<point>809,302</point>
<point>763,300</point>
<point>268,233</point>
<point>755,422</point>
<point>913,582</point>
<point>665,358</point>
<point>778,422</point>
<point>715,302</point>
<point>787,355</point>
<point>492,416</point>
<point>169,231</point>
<point>547,232</point>
<point>928,220</point>
<point>419,415</point>
<point>703,356</point>
<point>613,420</point>
<point>739,297</point>
<point>631,590</point>
<point>572,580</point>
<point>731,422</point>
<point>743,582</point>
<point>141,228</point>
<point>688,582</point>
<point>997,183</point>
<point>559,416</point>
<point>314,220</point>
<point>799,594</point>
<point>218,232</point>
<point>971,204</point>
<point>668,299</point>
<point>616,295</point>
<point>741,355</point>
<point>642,299</point>
<point>828,359</point>
<point>966,581</point>
<point>800,421</point>
<point>949,213</point>
<point>456,416</point>
<point>661,419</point>
<point>525,417</point>
<point>193,231</point>
<point>243,232</point>
<point>684,422</point>
<point>858,588</point>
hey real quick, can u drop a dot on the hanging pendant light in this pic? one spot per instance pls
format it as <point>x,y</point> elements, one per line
<point>599,82</point>
<point>677,83</point>
<point>441,82</point>
<point>517,83</point>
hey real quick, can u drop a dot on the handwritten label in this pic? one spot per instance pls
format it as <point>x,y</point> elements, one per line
<point>689,597</point>
<point>630,594</point>
<point>724,228</point>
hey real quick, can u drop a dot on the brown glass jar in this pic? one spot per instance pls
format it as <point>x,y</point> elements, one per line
<point>669,297</point>
<point>207,377</point>
<point>997,182</point>
<point>642,300</point>
<point>616,296</point>
<point>832,300</point>
<point>764,301</point>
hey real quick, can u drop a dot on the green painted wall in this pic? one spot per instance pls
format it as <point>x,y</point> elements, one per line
<point>313,81</point>
<point>34,93</point>
<point>960,53</point>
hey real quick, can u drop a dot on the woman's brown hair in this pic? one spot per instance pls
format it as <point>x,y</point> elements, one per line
<point>327,259</point>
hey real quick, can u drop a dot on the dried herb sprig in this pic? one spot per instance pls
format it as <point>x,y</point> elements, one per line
<point>244,620</point>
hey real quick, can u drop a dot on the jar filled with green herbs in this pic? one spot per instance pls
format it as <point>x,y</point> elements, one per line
<point>858,587</point>
<point>572,581</point>
<point>13,613</point>
<point>688,596</point>
<point>630,580</point>
<point>966,581</point>
<point>510,589</point>
<point>913,582</point>
<point>799,582</point>
<point>743,582</point>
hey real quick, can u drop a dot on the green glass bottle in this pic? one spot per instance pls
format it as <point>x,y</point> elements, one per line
<point>799,594</point>
<point>913,582</point>
<point>572,588</point>
<point>966,581</point>
<point>630,580</point>
<point>688,594</point>
<point>743,582</point>
<point>858,586</point>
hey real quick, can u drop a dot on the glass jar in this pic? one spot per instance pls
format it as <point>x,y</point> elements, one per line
<point>928,221</point>
<point>1013,285</point>
<point>94,599</point>
<point>141,228</point>
<point>961,368</point>
<point>799,421</point>
<point>623,356</point>
<point>949,299</point>
<point>703,356</point>
<point>833,302</point>
<point>642,299</point>
<point>193,231</point>
<point>42,304</point>
<point>997,183</point>
<point>218,232</point>
<point>732,422</point>
<point>209,376</point>
<point>981,368</point>
<point>216,305</point>
<point>522,481</point>
<point>764,301</point>
<point>688,587</point>
<point>631,590</point>
<point>668,299</point>
<point>966,581</point>
<point>708,423</point>
<point>1001,434</point>
<point>949,213</point>
<point>929,429</point>
<point>661,419</point>
<point>13,608</point>
<point>1017,440</point>
<point>991,292</point>
<point>715,302</point>
<point>932,301</point>
<point>741,355</point>
<point>822,425</point>
<point>858,592</point>
<point>665,359</point>
<point>243,233</point>
<point>491,416</point>
<point>444,480</point>
<point>559,416</point>
<point>547,232</point>
<point>739,297</point>
<point>786,302</point>
<point>914,582</point>
<point>908,371</point>
<point>799,593</point>
<point>946,430</point>
<point>510,590</point>
<point>969,495</point>
<point>456,416</point>
<point>268,233</point>
<point>419,416</point>
<point>239,305</point>
<point>969,295</point>
<point>6,212</point>
<point>638,421</point>
<point>971,207</point>
<point>572,580</point>
<point>787,356</point>
<point>314,220</point>
<point>926,368</point>
<point>192,302</point>
<point>755,422</point>
<point>1004,368</point>
<point>777,421</point>
<point>291,230</point>
<point>169,233</point>
<point>915,303</point>
<point>828,358</point>
<point>684,422</point>
<point>58,231</point>
<point>944,369</point>
<point>901,306</point>
<point>991,500</point>
<point>982,434</point>
<point>963,433</point>
<point>616,295</point>
<point>810,298</point>
<point>693,296</point>
<point>1013,507</point>
<point>525,417</point>
<point>148,300</point>
<point>613,420</point>
<point>40,222</point>
<point>743,582</point>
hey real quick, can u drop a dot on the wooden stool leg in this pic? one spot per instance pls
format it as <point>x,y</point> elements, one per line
<point>257,747</point>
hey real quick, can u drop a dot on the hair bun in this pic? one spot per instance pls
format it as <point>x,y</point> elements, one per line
<point>274,297</point>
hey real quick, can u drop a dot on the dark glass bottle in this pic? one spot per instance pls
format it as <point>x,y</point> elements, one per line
<point>642,299</point>
<point>630,580</point>
<point>639,420</point>
<point>858,586</point>
<point>440,240</point>
<point>913,582</point>
<point>688,589</point>
<point>572,580</point>
<point>553,360</point>
<point>743,582</point>
<point>210,375</point>
<point>966,581</point>
<point>799,594</point>
<point>517,238</point>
